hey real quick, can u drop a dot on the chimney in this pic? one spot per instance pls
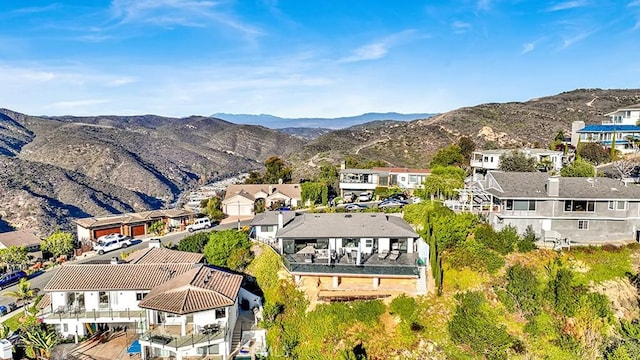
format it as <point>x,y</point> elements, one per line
<point>280,220</point>
<point>553,186</point>
<point>115,260</point>
<point>280,181</point>
<point>343,165</point>
<point>155,243</point>
<point>270,189</point>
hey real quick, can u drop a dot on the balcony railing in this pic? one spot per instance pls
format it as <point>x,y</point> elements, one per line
<point>405,265</point>
<point>169,336</point>
<point>102,314</point>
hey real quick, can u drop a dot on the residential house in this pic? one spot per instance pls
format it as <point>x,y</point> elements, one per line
<point>354,251</point>
<point>622,123</point>
<point>484,160</point>
<point>265,225</point>
<point>590,210</point>
<point>131,224</point>
<point>178,306</point>
<point>20,238</point>
<point>240,199</point>
<point>356,181</point>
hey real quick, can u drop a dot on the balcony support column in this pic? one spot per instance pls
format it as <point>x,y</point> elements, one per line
<point>336,281</point>
<point>376,282</point>
<point>296,278</point>
<point>183,326</point>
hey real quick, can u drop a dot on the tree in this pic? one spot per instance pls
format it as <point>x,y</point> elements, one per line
<point>23,293</point>
<point>594,153</point>
<point>14,256</point>
<point>517,161</point>
<point>228,249</point>
<point>578,168</point>
<point>157,227</point>
<point>276,171</point>
<point>213,209</point>
<point>524,287</point>
<point>194,243</point>
<point>314,192</point>
<point>626,168</point>
<point>59,243</point>
<point>443,182</point>
<point>559,136</point>
<point>448,156</point>
<point>467,146</point>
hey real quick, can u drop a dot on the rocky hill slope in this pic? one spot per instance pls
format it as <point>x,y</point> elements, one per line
<point>507,125</point>
<point>58,168</point>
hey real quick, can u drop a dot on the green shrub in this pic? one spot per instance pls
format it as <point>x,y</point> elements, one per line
<point>524,288</point>
<point>404,306</point>
<point>475,256</point>
<point>474,324</point>
<point>528,241</point>
<point>194,243</point>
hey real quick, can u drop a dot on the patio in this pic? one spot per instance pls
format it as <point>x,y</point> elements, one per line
<point>170,335</point>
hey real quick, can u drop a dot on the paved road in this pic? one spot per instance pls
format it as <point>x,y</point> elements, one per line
<point>40,281</point>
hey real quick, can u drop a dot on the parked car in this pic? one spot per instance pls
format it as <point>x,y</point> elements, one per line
<point>114,243</point>
<point>108,237</point>
<point>3,310</point>
<point>397,196</point>
<point>11,278</point>
<point>365,196</point>
<point>12,306</point>
<point>354,207</point>
<point>199,224</point>
<point>392,203</point>
<point>284,208</point>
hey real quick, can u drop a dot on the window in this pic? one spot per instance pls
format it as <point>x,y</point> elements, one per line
<point>617,205</point>
<point>104,299</point>
<point>65,327</point>
<point>140,295</point>
<point>583,224</point>
<point>521,205</point>
<point>403,178</point>
<point>267,228</point>
<point>368,243</point>
<point>221,313</point>
<point>413,179</point>
<point>288,246</point>
<point>579,205</point>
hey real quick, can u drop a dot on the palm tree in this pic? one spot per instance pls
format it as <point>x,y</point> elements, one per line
<point>23,293</point>
<point>38,343</point>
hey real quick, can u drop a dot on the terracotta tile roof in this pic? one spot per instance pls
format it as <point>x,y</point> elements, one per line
<point>104,277</point>
<point>163,256</point>
<point>19,238</point>
<point>130,218</point>
<point>44,302</point>
<point>199,289</point>
<point>290,190</point>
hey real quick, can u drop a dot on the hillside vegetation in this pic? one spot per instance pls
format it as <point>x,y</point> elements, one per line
<point>508,125</point>
<point>59,168</point>
<point>499,300</point>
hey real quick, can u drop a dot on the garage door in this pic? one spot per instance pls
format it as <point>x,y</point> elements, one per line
<point>98,233</point>
<point>137,230</point>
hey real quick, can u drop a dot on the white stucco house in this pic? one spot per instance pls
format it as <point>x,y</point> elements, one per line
<point>622,122</point>
<point>240,199</point>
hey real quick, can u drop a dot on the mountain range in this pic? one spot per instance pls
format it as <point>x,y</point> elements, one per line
<point>55,169</point>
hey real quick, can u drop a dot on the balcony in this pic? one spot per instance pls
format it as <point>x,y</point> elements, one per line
<point>404,265</point>
<point>94,315</point>
<point>170,336</point>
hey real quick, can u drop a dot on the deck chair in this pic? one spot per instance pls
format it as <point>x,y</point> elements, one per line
<point>395,254</point>
<point>383,254</point>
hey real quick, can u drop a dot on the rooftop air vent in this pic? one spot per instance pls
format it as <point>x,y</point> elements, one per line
<point>347,215</point>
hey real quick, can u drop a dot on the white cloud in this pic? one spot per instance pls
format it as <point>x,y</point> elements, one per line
<point>379,48</point>
<point>483,5</point>
<point>528,47</point>
<point>568,41</point>
<point>566,5</point>
<point>460,27</point>
<point>187,13</point>
<point>634,3</point>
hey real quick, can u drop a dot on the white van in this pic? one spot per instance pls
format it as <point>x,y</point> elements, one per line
<point>198,224</point>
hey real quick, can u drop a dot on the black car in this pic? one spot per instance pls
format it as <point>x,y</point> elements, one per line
<point>397,196</point>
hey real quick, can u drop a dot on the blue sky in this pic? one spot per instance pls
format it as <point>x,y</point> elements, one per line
<point>308,58</point>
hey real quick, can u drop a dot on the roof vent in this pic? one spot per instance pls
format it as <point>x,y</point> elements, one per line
<point>347,215</point>
<point>614,189</point>
<point>373,215</point>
